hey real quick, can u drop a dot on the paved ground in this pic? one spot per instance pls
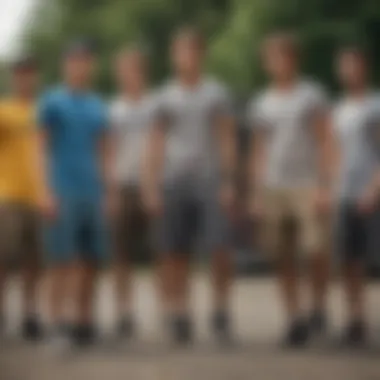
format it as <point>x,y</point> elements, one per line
<point>258,322</point>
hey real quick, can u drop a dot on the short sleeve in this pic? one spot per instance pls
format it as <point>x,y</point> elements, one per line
<point>255,115</point>
<point>113,116</point>
<point>319,101</point>
<point>373,130</point>
<point>104,119</point>
<point>250,113</point>
<point>46,112</point>
<point>223,102</point>
<point>160,113</point>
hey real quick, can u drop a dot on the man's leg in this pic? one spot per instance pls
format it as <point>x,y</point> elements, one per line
<point>175,289</point>
<point>281,229</point>
<point>355,247</point>
<point>129,223</point>
<point>3,276</point>
<point>216,226</point>
<point>289,280</point>
<point>175,234</point>
<point>92,245</point>
<point>32,324</point>
<point>222,278</point>
<point>218,234</point>
<point>31,252</point>
<point>287,269</point>
<point>319,277</point>
<point>10,236</point>
<point>61,284</point>
<point>316,239</point>
<point>86,274</point>
<point>180,267</point>
<point>222,275</point>
<point>174,273</point>
<point>354,280</point>
<point>122,273</point>
<point>62,254</point>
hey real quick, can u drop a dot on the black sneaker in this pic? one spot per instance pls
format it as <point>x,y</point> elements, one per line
<point>32,329</point>
<point>355,334</point>
<point>182,330</point>
<point>298,334</point>
<point>83,335</point>
<point>222,327</point>
<point>318,323</point>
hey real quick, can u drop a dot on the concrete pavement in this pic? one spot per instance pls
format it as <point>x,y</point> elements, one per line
<point>258,322</point>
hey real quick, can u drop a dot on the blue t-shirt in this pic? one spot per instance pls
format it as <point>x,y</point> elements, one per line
<point>75,123</point>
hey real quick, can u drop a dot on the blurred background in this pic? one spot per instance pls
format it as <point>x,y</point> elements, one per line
<point>234,29</point>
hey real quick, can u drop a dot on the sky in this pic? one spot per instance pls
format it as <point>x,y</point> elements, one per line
<point>13,16</point>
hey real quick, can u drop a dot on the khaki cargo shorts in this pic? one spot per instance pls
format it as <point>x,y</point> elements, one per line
<point>291,217</point>
<point>20,234</point>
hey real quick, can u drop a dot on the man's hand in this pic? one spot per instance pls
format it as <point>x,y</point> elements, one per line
<point>112,203</point>
<point>48,205</point>
<point>323,200</point>
<point>152,201</point>
<point>227,197</point>
<point>368,200</point>
<point>255,206</point>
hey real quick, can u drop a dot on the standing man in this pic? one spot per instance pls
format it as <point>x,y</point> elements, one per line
<point>357,124</point>
<point>21,190</point>
<point>74,129</point>
<point>290,174</point>
<point>131,114</point>
<point>190,178</point>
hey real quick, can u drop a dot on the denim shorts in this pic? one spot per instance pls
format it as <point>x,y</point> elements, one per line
<point>77,233</point>
<point>192,213</point>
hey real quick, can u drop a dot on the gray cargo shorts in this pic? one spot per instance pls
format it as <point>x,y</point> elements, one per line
<point>192,214</point>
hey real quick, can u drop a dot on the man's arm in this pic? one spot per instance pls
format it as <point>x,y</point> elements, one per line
<point>257,155</point>
<point>152,166</point>
<point>47,201</point>
<point>327,150</point>
<point>106,145</point>
<point>256,161</point>
<point>370,196</point>
<point>228,149</point>
<point>256,164</point>
<point>42,135</point>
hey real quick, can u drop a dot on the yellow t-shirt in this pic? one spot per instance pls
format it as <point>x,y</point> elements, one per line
<point>18,178</point>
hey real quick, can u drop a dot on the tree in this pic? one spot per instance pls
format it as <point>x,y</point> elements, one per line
<point>235,29</point>
<point>113,23</point>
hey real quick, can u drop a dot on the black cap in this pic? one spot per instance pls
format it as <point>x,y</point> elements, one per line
<point>24,63</point>
<point>80,47</point>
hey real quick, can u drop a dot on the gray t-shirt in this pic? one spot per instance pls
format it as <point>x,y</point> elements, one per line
<point>357,126</point>
<point>130,121</point>
<point>286,120</point>
<point>192,149</point>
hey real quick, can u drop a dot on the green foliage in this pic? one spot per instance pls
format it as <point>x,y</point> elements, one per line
<point>234,28</point>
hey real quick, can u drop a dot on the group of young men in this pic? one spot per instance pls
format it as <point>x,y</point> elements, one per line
<point>169,158</point>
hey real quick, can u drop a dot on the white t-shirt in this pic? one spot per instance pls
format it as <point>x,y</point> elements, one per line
<point>286,119</point>
<point>357,126</point>
<point>192,148</point>
<point>130,121</point>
